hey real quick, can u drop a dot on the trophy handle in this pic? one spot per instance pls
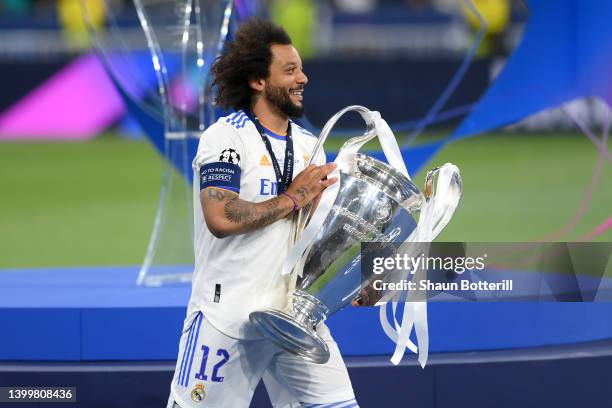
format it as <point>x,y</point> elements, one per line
<point>304,214</point>
<point>365,114</point>
<point>376,126</point>
<point>442,192</point>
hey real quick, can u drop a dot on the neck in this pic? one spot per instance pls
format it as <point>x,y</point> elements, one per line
<point>270,117</point>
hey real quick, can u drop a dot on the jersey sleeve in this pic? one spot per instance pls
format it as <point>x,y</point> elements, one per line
<point>218,160</point>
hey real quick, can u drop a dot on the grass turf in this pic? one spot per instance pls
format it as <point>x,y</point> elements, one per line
<point>71,204</point>
<point>93,203</point>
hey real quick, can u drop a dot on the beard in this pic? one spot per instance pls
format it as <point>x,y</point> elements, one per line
<point>279,97</point>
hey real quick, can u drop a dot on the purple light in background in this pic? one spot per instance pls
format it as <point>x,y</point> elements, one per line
<point>183,96</point>
<point>246,8</point>
<point>76,103</point>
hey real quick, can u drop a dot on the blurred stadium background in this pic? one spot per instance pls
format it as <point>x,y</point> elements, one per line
<point>80,186</point>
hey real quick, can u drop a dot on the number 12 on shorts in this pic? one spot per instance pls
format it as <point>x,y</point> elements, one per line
<point>201,374</point>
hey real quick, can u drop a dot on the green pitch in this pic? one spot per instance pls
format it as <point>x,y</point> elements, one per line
<point>93,203</point>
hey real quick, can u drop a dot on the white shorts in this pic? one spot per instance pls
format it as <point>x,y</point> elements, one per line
<point>215,370</point>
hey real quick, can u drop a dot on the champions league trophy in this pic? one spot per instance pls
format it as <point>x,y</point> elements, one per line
<point>372,202</point>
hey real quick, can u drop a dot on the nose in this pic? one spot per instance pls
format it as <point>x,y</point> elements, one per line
<point>302,79</point>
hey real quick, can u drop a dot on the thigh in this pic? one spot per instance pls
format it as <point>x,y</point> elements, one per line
<point>216,368</point>
<point>291,380</point>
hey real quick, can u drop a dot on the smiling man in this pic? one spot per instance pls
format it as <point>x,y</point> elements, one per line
<point>250,176</point>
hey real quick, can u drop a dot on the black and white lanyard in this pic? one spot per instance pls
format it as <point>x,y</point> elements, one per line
<point>283,179</point>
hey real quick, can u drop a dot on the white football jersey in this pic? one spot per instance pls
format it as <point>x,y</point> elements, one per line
<point>241,273</point>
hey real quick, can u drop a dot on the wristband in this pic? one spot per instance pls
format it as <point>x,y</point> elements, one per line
<point>295,203</point>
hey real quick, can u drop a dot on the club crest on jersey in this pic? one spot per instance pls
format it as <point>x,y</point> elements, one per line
<point>265,161</point>
<point>198,393</point>
<point>230,156</point>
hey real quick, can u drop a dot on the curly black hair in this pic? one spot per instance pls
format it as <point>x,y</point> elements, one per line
<point>246,58</point>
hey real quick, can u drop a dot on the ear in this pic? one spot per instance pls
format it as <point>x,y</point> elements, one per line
<point>257,84</point>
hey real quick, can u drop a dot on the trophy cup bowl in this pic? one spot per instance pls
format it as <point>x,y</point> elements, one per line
<point>375,202</point>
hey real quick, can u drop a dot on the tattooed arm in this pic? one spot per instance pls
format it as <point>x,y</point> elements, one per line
<point>226,214</point>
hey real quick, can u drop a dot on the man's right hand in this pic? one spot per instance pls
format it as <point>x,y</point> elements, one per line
<point>311,182</point>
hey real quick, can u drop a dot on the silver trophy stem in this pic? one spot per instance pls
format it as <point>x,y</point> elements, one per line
<point>307,309</point>
<point>296,331</point>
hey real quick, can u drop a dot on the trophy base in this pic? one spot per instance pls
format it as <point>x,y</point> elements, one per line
<point>290,335</point>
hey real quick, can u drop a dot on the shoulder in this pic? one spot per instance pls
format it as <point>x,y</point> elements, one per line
<point>230,127</point>
<point>224,139</point>
<point>299,130</point>
<point>236,120</point>
<point>307,141</point>
<point>303,136</point>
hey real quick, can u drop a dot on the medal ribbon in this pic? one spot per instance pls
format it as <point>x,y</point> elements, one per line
<point>283,179</point>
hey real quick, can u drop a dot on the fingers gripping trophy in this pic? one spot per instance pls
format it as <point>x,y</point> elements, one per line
<point>373,202</point>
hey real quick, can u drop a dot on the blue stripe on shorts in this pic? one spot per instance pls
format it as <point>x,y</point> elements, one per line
<point>193,347</point>
<point>189,346</point>
<point>185,351</point>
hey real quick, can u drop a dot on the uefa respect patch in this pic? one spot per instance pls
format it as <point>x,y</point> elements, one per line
<point>221,174</point>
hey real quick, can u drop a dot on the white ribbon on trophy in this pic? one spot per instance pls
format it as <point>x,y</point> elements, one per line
<point>436,211</point>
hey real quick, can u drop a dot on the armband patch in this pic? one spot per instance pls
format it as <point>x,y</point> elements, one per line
<point>220,174</point>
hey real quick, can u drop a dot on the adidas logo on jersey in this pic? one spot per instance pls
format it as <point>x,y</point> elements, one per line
<point>265,161</point>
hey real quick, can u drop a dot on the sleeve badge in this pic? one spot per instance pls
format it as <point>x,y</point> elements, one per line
<point>230,156</point>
